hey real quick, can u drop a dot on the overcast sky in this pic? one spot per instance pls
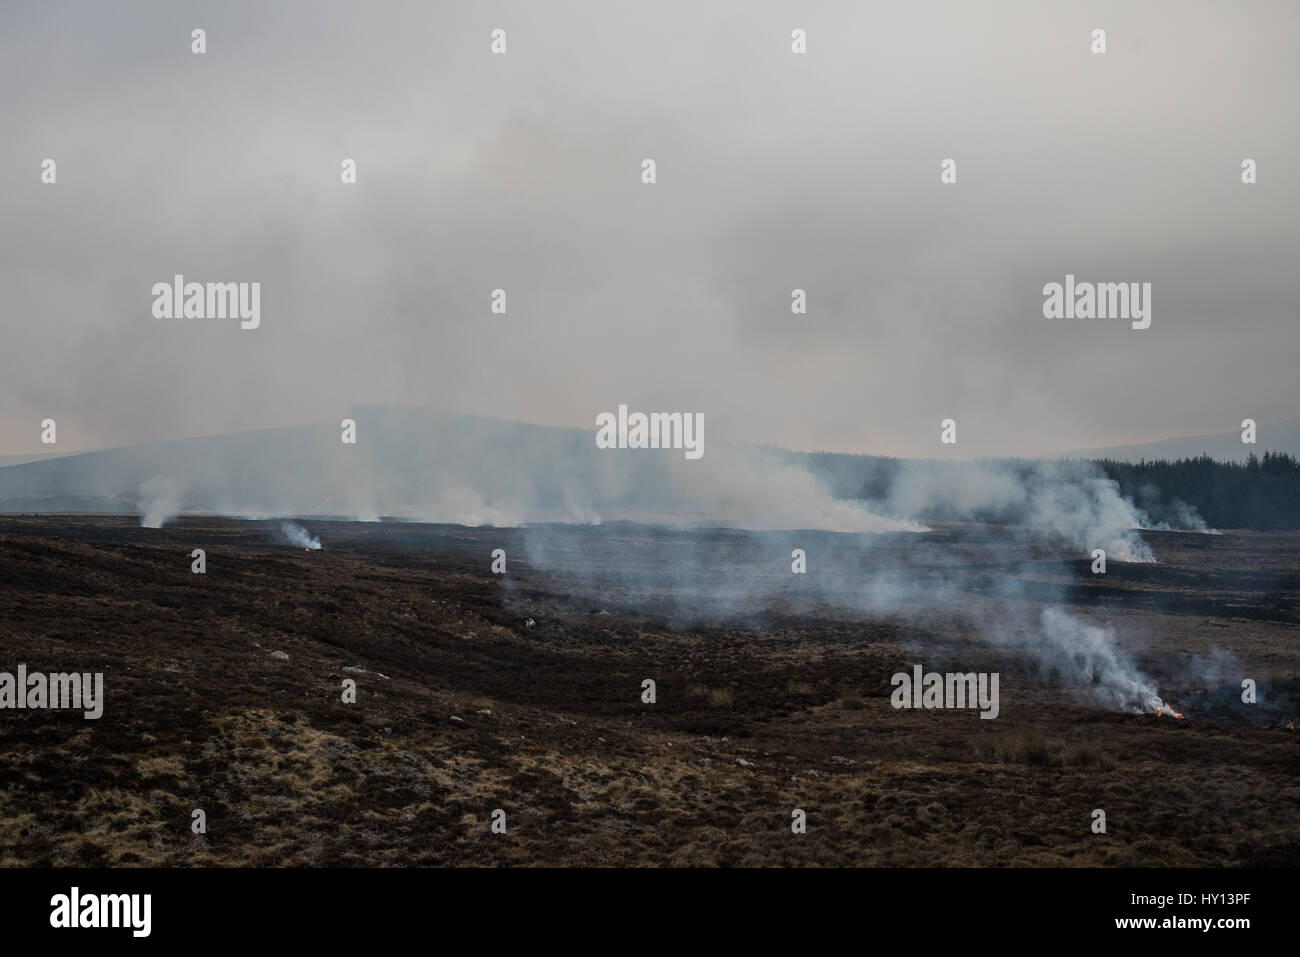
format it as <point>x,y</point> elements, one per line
<point>775,171</point>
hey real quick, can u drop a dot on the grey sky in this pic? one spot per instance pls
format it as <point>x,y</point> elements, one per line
<point>775,171</point>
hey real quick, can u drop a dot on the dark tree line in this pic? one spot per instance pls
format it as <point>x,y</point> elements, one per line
<point>1260,493</point>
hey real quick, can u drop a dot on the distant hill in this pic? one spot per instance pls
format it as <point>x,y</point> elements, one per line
<point>405,461</point>
<point>24,458</point>
<point>426,466</point>
<point>1224,446</point>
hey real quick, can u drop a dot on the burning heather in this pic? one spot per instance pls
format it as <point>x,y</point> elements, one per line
<point>1164,708</point>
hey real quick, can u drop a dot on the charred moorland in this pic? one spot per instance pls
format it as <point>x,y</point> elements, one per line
<point>523,692</point>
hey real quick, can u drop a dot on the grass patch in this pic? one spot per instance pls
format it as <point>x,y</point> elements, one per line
<point>1032,749</point>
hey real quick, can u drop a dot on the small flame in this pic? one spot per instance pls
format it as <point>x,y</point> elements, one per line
<point>1162,708</point>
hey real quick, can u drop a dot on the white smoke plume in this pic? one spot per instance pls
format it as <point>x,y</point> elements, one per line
<point>160,501</point>
<point>1072,499</point>
<point>1089,659</point>
<point>294,534</point>
<point>760,489</point>
<point>1181,517</point>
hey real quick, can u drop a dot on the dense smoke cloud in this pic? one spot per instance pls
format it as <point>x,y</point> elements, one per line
<point>417,465</point>
<point>776,172</point>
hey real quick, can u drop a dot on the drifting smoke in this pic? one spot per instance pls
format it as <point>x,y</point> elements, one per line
<point>761,489</point>
<point>1071,499</point>
<point>294,534</point>
<point>957,575</point>
<point>160,501</point>
<point>956,581</point>
<point>1176,516</point>
<point>1089,659</point>
<point>421,466</point>
<point>414,465</point>
<point>1218,668</point>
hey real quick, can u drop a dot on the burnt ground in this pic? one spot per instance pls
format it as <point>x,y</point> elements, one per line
<point>771,696</point>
